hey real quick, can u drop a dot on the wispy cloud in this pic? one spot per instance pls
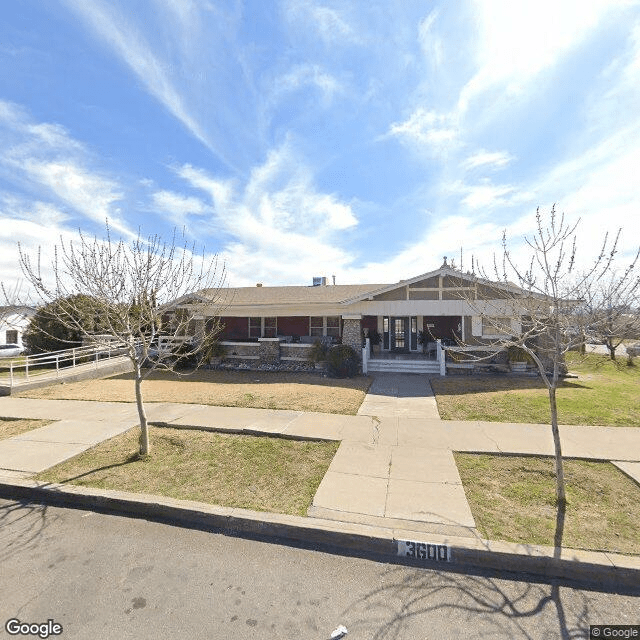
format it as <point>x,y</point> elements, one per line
<point>177,207</point>
<point>304,75</point>
<point>328,23</point>
<point>44,158</point>
<point>516,41</point>
<point>281,228</point>
<point>487,159</point>
<point>133,49</point>
<point>428,130</point>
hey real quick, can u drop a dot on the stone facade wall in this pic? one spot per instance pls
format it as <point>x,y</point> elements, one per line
<point>269,350</point>
<point>352,335</point>
<point>299,352</point>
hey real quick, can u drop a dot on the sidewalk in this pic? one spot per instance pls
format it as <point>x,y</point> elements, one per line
<point>393,477</point>
<point>394,465</point>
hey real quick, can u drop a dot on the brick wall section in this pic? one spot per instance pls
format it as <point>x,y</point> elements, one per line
<point>293,326</point>
<point>269,350</point>
<point>234,328</point>
<point>352,335</point>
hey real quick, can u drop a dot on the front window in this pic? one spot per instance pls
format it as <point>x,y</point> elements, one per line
<point>333,326</point>
<point>317,326</point>
<point>270,327</point>
<point>255,327</point>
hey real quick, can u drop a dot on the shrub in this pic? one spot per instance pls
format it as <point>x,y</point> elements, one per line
<point>318,352</point>
<point>342,361</point>
<point>517,354</point>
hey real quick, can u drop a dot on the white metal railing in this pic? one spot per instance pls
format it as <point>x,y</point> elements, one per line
<point>27,367</point>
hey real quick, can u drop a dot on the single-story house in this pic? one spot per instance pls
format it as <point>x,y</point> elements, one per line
<point>14,320</point>
<point>445,304</point>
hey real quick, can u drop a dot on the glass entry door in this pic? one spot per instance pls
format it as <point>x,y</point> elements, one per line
<point>399,338</point>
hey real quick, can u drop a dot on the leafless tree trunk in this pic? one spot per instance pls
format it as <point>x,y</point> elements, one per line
<point>148,295</point>
<point>548,300</point>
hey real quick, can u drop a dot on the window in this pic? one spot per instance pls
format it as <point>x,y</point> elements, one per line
<point>385,332</point>
<point>496,326</point>
<point>270,327</point>
<point>255,327</point>
<point>333,326</point>
<point>414,333</point>
<point>317,326</point>
<point>12,336</point>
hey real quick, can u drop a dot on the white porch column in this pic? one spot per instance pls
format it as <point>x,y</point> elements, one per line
<point>441,358</point>
<point>365,356</point>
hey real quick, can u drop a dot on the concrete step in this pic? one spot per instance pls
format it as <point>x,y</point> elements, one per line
<point>403,366</point>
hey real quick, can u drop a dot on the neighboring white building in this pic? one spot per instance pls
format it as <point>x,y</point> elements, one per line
<point>13,322</point>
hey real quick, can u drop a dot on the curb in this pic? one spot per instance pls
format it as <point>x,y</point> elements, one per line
<point>435,551</point>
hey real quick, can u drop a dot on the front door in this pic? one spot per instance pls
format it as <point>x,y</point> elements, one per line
<point>399,335</point>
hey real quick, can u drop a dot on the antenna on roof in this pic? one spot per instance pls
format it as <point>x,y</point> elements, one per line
<point>334,279</point>
<point>461,267</point>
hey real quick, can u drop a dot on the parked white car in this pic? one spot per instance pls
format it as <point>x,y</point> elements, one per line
<point>10,350</point>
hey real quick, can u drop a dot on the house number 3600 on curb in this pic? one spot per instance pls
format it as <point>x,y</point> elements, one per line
<point>424,551</point>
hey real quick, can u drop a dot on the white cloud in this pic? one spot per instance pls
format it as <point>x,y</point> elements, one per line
<point>427,130</point>
<point>328,23</point>
<point>44,158</point>
<point>178,207</point>
<point>490,159</point>
<point>88,193</point>
<point>307,75</point>
<point>517,40</point>
<point>429,40</point>
<point>283,230</point>
<point>131,46</point>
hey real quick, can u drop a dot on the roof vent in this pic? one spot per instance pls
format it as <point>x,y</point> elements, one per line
<point>259,284</point>
<point>319,281</point>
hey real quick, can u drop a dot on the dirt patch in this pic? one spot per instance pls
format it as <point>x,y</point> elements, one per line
<point>10,427</point>
<point>259,390</point>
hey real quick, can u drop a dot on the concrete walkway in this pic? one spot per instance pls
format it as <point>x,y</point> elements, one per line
<point>394,467</point>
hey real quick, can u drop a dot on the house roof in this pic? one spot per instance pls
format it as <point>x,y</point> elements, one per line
<point>324,294</point>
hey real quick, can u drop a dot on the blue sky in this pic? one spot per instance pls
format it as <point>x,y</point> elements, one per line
<point>312,137</point>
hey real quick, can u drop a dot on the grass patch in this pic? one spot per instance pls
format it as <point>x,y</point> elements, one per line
<point>259,473</point>
<point>513,498</point>
<point>603,394</point>
<point>258,390</point>
<point>10,427</point>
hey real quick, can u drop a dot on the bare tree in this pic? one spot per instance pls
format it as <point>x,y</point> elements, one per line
<point>609,309</point>
<point>148,294</point>
<point>538,309</point>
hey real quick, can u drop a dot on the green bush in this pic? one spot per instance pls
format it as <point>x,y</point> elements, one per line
<point>342,361</point>
<point>318,352</point>
<point>518,354</point>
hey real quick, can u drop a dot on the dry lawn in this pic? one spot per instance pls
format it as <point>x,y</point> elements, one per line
<point>256,389</point>
<point>10,427</point>
<point>602,394</point>
<point>259,473</point>
<point>513,498</point>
